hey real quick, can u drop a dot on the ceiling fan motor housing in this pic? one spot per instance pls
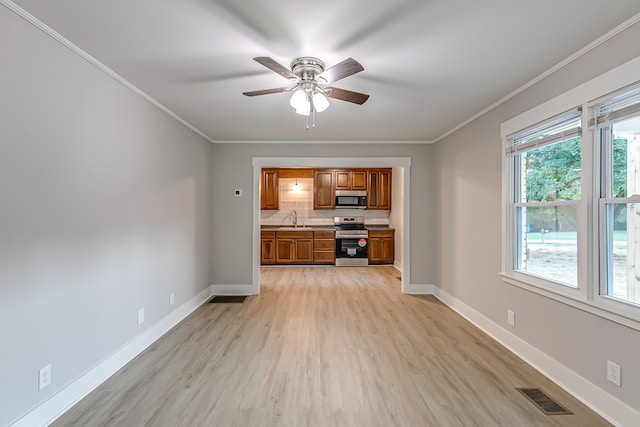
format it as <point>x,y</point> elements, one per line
<point>307,67</point>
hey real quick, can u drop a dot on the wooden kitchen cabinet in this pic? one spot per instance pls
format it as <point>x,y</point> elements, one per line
<point>379,189</point>
<point>381,246</point>
<point>267,247</point>
<point>377,183</point>
<point>269,189</point>
<point>294,247</point>
<point>324,247</point>
<point>323,189</point>
<point>350,179</point>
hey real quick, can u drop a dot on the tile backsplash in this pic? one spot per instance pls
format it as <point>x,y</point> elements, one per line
<point>302,202</point>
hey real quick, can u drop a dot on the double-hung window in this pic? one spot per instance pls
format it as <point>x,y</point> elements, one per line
<point>571,194</point>
<point>615,121</point>
<point>545,192</point>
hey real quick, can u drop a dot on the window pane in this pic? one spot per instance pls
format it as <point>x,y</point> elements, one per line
<point>620,167</point>
<point>547,242</point>
<point>625,158</point>
<point>622,257</point>
<point>551,172</point>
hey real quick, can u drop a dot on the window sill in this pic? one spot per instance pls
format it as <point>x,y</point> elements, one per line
<point>607,308</point>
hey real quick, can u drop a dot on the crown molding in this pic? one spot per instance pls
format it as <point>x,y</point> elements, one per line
<point>64,41</point>
<point>93,61</point>
<point>611,34</point>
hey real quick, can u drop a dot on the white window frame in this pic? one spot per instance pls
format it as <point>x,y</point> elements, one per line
<point>600,293</point>
<point>511,175</point>
<point>517,145</point>
<point>587,295</point>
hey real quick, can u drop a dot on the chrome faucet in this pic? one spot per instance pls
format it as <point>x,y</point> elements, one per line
<point>294,217</point>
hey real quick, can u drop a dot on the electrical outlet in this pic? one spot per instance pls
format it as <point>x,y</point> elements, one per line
<point>44,377</point>
<point>140,316</point>
<point>511,318</point>
<point>613,373</point>
<point>172,299</point>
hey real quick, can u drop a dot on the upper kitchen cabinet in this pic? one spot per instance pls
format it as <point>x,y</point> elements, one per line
<point>379,189</point>
<point>269,189</point>
<point>350,179</point>
<point>323,189</point>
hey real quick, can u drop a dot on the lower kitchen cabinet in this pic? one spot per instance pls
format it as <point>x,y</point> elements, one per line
<point>297,247</point>
<point>381,246</point>
<point>294,247</point>
<point>324,247</point>
<point>267,247</point>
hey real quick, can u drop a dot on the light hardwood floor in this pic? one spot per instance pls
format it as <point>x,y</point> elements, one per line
<point>325,347</point>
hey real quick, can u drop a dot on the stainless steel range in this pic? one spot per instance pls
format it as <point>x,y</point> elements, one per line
<point>352,241</point>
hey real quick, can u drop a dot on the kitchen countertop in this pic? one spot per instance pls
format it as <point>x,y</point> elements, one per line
<point>318,227</point>
<point>300,228</point>
<point>376,227</point>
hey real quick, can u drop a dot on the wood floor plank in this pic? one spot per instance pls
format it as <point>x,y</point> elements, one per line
<point>325,346</point>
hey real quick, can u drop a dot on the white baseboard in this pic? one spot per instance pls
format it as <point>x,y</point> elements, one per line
<point>415,289</point>
<point>233,290</point>
<point>52,408</point>
<point>610,408</point>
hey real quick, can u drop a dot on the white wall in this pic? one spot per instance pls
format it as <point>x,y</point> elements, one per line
<point>468,175</point>
<point>105,208</point>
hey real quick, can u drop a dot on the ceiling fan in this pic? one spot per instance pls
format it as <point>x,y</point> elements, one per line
<point>310,83</point>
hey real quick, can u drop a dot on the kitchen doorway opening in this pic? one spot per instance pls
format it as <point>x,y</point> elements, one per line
<point>400,210</point>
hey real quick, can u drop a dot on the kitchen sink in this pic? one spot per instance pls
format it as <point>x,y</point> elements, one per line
<point>290,228</point>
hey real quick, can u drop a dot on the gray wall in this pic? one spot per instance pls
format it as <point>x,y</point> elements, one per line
<point>468,175</point>
<point>105,208</point>
<point>232,216</point>
<point>108,205</point>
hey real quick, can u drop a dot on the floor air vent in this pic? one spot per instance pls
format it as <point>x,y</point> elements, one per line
<point>544,402</point>
<point>226,299</point>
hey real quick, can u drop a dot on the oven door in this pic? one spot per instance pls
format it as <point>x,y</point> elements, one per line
<point>352,251</point>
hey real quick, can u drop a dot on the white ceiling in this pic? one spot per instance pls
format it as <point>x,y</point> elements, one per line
<point>430,65</point>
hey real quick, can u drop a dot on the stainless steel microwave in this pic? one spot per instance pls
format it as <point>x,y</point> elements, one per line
<point>351,199</point>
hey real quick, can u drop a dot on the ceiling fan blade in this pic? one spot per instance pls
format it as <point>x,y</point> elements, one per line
<point>341,70</point>
<point>267,91</point>
<point>276,67</point>
<point>347,95</point>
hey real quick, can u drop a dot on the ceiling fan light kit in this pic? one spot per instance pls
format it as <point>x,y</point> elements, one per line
<point>320,102</point>
<point>310,83</point>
